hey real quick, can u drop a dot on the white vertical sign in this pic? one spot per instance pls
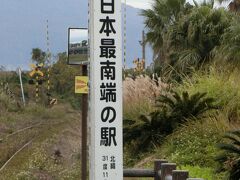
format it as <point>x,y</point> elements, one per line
<point>105,90</point>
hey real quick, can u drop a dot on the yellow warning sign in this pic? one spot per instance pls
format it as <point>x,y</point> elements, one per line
<point>81,84</point>
<point>36,69</point>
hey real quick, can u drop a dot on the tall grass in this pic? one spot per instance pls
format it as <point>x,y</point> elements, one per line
<point>7,104</point>
<point>139,95</point>
<point>219,83</point>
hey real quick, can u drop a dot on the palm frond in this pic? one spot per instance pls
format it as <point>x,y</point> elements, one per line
<point>166,100</point>
<point>235,140</point>
<point>145,119</point>
<point>229,148</point>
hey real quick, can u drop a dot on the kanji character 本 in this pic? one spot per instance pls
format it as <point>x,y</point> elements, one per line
<point>108,114</point>
<point>108,49</point>
<point>107,6</point>
<point>108,135</point>
<point>108,70</point>
<point>107,26</point>
<point>108,92</point>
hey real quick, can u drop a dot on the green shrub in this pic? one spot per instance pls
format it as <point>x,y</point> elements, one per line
<point>201,172</point>
<point>194,143</point>
<point>75,101</point>
<point>150,130</point>
<point>129,159</point>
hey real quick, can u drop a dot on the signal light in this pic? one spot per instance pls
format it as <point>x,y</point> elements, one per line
<point>40,82</point>
<point>31,81</point>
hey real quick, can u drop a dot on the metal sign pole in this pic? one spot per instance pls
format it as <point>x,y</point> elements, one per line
<point>20,78</point>
<point>84,128</point>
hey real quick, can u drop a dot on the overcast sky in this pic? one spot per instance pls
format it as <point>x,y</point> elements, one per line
<point>143,4</point>
<point>146,4</point>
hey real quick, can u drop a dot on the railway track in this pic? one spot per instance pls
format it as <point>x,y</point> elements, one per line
<point>37,125</point>
<point>41,125</point>
<point>15,154</point>
<point>22,130</point>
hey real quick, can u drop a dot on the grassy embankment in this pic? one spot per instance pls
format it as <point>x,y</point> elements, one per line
<point>193,144</point>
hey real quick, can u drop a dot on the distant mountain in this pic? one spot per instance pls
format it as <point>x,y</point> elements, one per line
<point>23,27</point>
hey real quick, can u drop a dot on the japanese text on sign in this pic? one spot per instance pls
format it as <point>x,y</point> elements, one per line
<point>106,90</point>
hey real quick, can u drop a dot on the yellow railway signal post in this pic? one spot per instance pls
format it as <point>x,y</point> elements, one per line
<point>139,65</point>
<point>36,71</point>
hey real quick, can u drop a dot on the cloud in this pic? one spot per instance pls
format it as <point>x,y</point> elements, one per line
<point>146,4</point>
<point>142,4</point>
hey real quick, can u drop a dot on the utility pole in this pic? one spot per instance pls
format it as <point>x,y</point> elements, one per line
<point>84,128</point>
<point>143,44</point>
<point>125,37</point>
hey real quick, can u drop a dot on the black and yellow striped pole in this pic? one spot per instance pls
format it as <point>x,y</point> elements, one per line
<point>49,66</point>
<point>37,89</point>
<point>36,71</point>
<point>48,80</point>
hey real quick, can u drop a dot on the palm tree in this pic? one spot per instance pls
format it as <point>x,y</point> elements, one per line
<point>158,19</point>
<point>229,160</point>
<point>229,50</point>
<point>193,38</point>
<point>183,35</point>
